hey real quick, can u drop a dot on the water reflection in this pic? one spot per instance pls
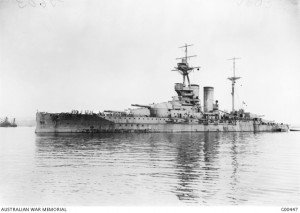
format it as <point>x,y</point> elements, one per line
<point>235,165</point>
<point>188,158</point>
<point>198,168</point>
<point>191,159</point>
<point>149,169</point>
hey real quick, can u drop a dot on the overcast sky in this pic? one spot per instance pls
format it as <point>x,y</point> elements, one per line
<point>57,56</point>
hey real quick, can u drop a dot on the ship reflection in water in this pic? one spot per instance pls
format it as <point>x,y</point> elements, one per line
<point>166,169</point>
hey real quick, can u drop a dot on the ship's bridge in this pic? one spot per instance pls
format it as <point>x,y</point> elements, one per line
<point>190,93</point>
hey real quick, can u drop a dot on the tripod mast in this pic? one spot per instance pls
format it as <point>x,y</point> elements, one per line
<point>183,67</point>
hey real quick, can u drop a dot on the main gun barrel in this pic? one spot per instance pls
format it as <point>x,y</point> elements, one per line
<point>140,105</point>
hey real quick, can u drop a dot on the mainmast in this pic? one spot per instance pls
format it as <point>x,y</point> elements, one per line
<point>233,80</point>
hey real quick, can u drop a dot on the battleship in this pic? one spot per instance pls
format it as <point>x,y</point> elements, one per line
<point>6,123</point>
<point>184,113</point>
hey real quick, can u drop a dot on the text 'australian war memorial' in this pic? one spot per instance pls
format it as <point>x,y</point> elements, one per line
<point>184,113</point>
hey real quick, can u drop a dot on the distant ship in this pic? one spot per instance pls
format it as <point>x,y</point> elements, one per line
<point>183,113</point>
<point>6,123</point>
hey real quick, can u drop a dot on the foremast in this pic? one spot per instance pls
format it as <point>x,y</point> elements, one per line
<point>183,67</point>
<point>188,94</point>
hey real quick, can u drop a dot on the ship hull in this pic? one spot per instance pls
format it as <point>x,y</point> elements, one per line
<point>93,123</point>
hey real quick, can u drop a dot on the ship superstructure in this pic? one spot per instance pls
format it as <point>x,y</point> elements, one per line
<point>183,113</point>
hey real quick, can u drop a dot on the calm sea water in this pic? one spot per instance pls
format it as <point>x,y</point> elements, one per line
<point>149,169</point>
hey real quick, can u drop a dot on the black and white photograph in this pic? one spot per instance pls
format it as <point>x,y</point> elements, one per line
<point>149,103</point>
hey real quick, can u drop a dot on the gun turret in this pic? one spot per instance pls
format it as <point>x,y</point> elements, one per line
<point>139,105</point>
